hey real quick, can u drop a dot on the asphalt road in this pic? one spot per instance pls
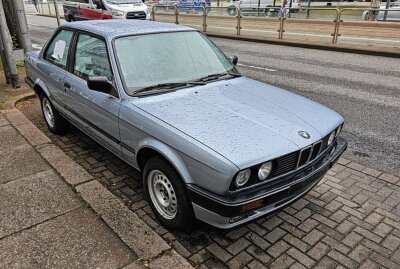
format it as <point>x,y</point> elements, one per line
<point>364,89</point>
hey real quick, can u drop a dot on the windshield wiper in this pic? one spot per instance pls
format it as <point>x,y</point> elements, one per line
<point>168,86</point>
<point>217,76</point>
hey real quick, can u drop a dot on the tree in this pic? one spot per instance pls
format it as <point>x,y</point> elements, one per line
<point>7,52</point>
<point>12,22</point>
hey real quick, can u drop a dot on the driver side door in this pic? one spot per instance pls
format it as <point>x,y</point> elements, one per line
<point>97,113</point>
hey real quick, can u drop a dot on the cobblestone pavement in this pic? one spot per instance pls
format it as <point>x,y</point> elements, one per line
<point>350,220</point>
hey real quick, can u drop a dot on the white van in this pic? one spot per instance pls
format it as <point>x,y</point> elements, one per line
<point>75,10</point>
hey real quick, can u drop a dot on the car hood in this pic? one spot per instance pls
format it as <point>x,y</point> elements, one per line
<point>246,121</point>
<point>129,7</point>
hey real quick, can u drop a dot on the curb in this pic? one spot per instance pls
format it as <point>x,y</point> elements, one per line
<point>21,98</point>
<point>308,45</point>
<point>152,251</point>
<point>44,15</point>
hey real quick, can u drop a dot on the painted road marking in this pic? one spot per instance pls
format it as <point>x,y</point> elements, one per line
<point>37,25</point>
<point>34,24</point>
<point>257,67</point>
<point>37,46</point>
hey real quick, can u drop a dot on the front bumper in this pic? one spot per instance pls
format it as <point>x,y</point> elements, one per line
<point>228,212</point>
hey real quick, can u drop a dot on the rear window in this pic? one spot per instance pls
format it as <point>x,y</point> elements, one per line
<point>57,51</point>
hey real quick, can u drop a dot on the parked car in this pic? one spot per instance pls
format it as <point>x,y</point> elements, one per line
<point>259,7</point>
<point>392,15</point>
<point>76,10</point>
<point>195,6</point>
<point>212,144</point>
<point>166,5</point>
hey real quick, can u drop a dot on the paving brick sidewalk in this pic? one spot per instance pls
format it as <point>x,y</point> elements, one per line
<point>54,215</point>
<point>350,220</point>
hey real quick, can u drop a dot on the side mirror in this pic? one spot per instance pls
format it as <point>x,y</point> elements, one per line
<point>233,59</point>
<point>100,84</point>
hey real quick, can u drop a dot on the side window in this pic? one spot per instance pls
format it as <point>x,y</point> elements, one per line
<point>91,58</point>
<point>57,51</point>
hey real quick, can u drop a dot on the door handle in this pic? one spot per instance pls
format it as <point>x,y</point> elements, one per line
<point>67,85</point>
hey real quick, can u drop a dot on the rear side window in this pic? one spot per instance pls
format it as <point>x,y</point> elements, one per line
<point>91,58</point>
<point>57,52</point>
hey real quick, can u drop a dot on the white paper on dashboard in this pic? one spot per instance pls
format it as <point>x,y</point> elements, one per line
<point>59,48</point>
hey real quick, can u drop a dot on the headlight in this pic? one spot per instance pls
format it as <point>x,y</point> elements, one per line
<point>242,177</point>
<point>117,13</point>
<point>338,130</point>
<point>264,170</point>
<point>331,138</point>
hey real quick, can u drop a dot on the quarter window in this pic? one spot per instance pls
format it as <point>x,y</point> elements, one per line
<point>91,58</point>
<point>57,52</point>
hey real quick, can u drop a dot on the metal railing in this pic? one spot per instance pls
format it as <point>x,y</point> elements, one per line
<point>194,13</point>
<point>336,20</point>
<point>272,20</point>
<point>284,14</point>
<point>378,10</point>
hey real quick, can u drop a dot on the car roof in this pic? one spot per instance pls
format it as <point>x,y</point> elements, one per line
<point>120,27</point>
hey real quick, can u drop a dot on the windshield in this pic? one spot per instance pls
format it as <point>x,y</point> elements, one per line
<point>156,59</point>
<point>119,2</point>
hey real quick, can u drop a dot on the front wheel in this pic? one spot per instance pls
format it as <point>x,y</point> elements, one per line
<point>166,194</point>
<point>232,11</point>
<point>55,122</point>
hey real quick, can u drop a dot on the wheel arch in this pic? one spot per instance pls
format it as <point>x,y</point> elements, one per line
<point>151,148</point>
<point>39,87</point>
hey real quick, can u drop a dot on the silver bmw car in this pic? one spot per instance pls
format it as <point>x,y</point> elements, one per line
<point>212,144</point>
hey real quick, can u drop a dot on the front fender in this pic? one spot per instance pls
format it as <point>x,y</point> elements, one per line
<point>168,153</point>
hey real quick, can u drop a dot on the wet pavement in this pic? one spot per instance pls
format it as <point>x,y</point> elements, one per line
<point>351,219</point>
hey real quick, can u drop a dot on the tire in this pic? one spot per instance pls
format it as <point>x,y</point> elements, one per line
<point>71,18</point>
<point>231,11</point>
<point>55,122</point>
<point>167,196</point>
